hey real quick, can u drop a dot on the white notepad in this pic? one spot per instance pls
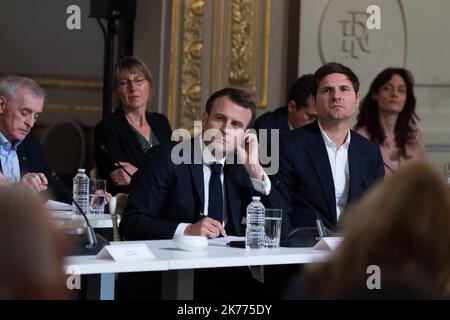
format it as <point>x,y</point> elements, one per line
<point>328,243</point>
<point>224,241</point>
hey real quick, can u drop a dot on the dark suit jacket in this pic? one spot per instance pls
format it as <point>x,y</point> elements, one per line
<point>31,159</point>
<point>306,173</point>
<point>164,194</point>
<point>273,120</point>
<point>270,120</point>
<point>120,140</point>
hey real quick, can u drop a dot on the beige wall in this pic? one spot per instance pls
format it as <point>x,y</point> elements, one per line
<point>35,42</point>
<point>414,35</point>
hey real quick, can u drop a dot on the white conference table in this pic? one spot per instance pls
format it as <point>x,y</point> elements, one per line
<point>178,278</point>
<point>68,220</point>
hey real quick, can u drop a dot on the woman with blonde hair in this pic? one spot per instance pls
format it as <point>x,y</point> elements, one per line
<point>31,265</point>
<point>130,131</point>
<point>401,226</point>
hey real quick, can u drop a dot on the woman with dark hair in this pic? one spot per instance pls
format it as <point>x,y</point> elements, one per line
<point>130,131</point>
<point>387,116</point>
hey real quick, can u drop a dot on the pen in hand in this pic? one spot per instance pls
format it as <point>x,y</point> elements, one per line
<point>214,223</point>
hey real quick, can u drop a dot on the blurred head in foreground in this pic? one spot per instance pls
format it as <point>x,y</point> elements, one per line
<point>31,251</point>
<point>401,226</point>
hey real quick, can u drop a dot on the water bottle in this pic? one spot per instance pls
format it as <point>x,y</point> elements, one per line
<point>81,191</point>
<point>255,225</point>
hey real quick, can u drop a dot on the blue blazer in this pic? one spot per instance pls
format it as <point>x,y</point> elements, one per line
<point>164,194</point>
<point>305,172</point>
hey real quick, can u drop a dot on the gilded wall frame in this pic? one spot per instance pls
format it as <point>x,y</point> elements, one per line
<point>217,44</point>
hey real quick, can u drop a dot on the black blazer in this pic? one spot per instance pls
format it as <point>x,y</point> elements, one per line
<point>116,134</point>
<point>164,194</point>
<point>273,120</point>
<point>31,159</point>
<point>305,171</point>
<point>270,120</point>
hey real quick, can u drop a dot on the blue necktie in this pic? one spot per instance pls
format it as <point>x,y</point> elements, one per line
<point>215,202</point>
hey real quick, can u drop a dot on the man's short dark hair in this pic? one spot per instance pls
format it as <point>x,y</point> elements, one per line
<point>238,96</point>
<point>301,90</point>
<point>334,67</point>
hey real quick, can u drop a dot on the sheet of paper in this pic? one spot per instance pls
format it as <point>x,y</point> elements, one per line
<point>58,206</point>
<point>223,241</point>
<point>126,252</point>
<point>328,243</point>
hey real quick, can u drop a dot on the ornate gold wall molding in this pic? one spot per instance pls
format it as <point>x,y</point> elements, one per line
<point>241,51</point>
<point>240,47</point>
<point>67,107</point>
<point>187,20</point>
<point>230,36</point>
<point>70,83</point>
<point>64,82</point>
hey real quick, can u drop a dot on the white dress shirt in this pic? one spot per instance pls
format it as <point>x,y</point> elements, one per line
<point>262,186</point>
<point>338,158</point>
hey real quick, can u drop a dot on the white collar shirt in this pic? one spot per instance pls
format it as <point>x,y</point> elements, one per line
<point>338,158</point>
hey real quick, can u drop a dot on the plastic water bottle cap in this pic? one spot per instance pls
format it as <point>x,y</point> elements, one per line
<point>81,170</point>
<point>256,198</point>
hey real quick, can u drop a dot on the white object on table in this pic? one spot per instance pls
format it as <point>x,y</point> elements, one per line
<point>328,243</point>
<point>129,252</point>
<point>190,243</point>
<point>224,241</point>
<point>58,206</point>
<point>63,220</point>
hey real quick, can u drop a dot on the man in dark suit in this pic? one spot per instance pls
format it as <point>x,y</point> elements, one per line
<point>299,111</point>
<point>196,187</point>
<point>325,163</point>
<point>22,158</point>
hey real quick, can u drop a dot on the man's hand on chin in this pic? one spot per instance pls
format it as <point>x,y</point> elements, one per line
<point>249,156</point>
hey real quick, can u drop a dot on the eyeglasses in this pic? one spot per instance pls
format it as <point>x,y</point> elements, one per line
<point>129,82</point>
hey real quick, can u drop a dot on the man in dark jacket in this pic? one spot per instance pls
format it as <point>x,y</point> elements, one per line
<point>21,156</point>
<point>204,194</point>
<point>299,111</point>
